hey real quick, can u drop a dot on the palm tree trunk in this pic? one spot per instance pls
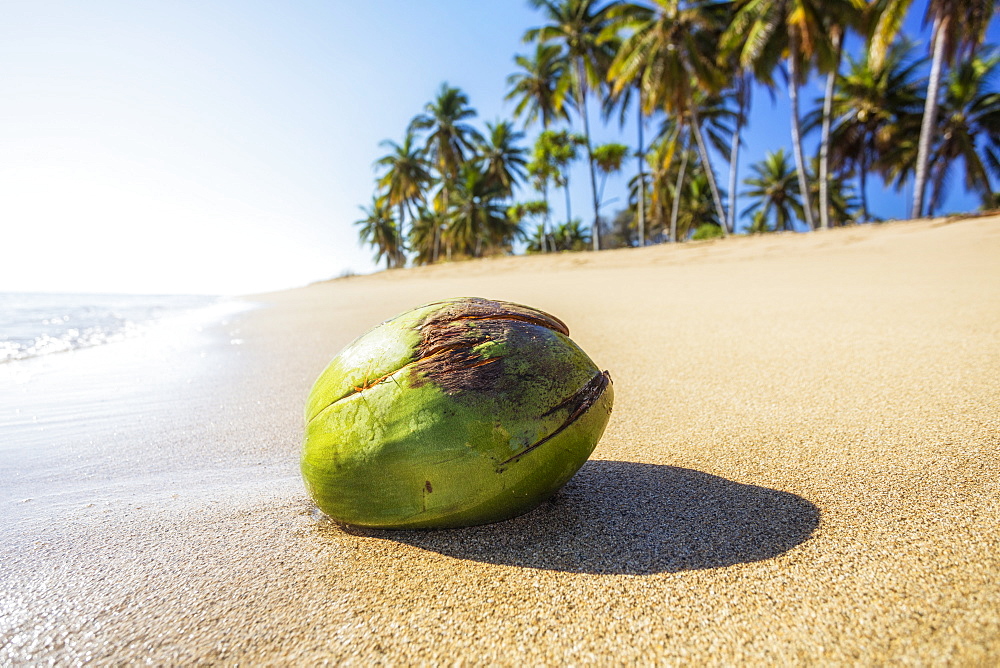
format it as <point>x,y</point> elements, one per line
<point>800,161</point>
<point>675,206</point>
<point>743,93</point>
<point>656,199</point>
<point>930,116</point>
<point>642,181</point>
<point>709,172</point>
<point>546,221</point>
<point>437,223</point>
<point>400,250</point>
<point>582,101</point>
<point>569,210</point>
<point>824,143</point>
<point>863,183</point>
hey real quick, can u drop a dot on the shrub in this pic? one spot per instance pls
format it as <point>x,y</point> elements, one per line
<point>707,231</point>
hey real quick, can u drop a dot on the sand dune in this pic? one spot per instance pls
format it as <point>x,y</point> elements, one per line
<point>801,468</point>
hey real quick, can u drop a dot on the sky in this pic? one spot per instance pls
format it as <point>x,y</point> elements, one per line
<point>226,147</point>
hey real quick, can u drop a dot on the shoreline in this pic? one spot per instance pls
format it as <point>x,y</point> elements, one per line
<point>801,467</point>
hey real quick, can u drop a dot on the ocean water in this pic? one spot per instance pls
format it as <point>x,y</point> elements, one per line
<point>36,324</point>
<point>102,389</point>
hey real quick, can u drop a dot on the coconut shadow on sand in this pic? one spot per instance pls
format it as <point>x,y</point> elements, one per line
<point>619,517</point>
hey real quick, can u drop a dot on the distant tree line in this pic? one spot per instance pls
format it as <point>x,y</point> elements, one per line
<point>448,188</point>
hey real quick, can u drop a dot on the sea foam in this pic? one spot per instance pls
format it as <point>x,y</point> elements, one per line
<point>35,324</point>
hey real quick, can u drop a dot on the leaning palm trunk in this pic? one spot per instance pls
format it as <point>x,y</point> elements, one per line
<point>734,158</point>
<point>437,243</point>
<point>569,207</point>
<point>581,98</point>
<point>824,144</point>
<point>734,150</point>
<point>401,248</point>
<point>675,207</point>
<point>642,181</point>
<point>547,222</point>
<point>930,116</point>
<point>800,161</point>
<point>709,172</point>
<point>437,223</point>
<point>863,184</point>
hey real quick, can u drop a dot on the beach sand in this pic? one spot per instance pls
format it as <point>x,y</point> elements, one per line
<point>802,467</point>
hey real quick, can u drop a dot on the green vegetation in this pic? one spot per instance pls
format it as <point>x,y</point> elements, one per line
<point>776,195</point>
<point>707,232</point>
<point>449,190</point>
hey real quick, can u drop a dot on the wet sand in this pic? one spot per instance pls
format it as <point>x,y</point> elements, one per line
<point>801,468</point>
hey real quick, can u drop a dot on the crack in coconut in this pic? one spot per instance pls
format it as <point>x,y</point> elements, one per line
<point>447,356</point>
<point>580,402</point>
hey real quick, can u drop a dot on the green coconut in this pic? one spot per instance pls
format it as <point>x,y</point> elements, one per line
<point>457,413</point>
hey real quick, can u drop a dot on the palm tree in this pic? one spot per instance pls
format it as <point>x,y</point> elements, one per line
<point>379,230</point>
<point>538,241</point>
<point>743,76</point>
<point>959,27</point>
<point>578,26</point>
<point>671,50</point>
<point>641,186</point>
<point>698,210</point>
<point>741,88</point>
<point>969,129</point>
<point>542,172</point>
<point>449,138</point>
<point>679,181</point>
<point>406,175</point>
<point>540,87</point>
<point>675,139</point>
<point>775,190</point>
<point>622,101</point>
<point>760,32</point>
<point>875,107</point>
<point>608,158</point>
<point>503,159</point>
<point>845,206</point>
<point>660,158</point>
<point>839,16</point>
<point>425,232</point>
<point>677,194</point>
<point>570,236</point>
<point>557,151</point>
<point>540,90</point>
<point>478,217</point>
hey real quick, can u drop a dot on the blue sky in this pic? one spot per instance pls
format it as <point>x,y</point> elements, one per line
<point>225,147</point>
